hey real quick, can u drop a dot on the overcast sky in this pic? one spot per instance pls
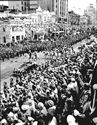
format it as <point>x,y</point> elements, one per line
<point>76,5</point>
<point>80,5</point>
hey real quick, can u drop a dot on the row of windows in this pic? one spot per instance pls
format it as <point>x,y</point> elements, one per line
<point>17,38</point>
<point>24,3</point>
<point>13,38</point>
<point>4,39</point>
<point>3,29</point>
<point>61,13</point>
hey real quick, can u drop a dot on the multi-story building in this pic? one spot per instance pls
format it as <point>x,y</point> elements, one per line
<point>11,31</point>
<point>73,18</point>
<point>60,7</point>
<point>4,32</point>
<point>91,12</point>
<point>34,5</point>
<point>22,5</point>
<point>84,20</point>
<point>17,29</point>
<point>47,4</point>
<point>61,10</point>
<point>41,21</point>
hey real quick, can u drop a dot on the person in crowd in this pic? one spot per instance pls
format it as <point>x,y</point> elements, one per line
<point>58,92</point>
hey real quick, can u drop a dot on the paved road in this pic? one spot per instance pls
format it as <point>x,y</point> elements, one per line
<point>8,66</point>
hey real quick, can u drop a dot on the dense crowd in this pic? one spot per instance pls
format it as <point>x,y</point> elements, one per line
<point>11,50</point>
<point>60,92</point>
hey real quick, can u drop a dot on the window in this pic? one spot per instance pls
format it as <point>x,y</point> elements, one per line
<point>4,39</point>
<point>56,12</point>
<point>22,8</point>
<point>25,4</point>
<point>13,39</point>
<point>33,20</point>
<point>44,18</point>
<point>32,33</point>
<point>17,38</point>
<point>3,29</point>
<point>22,37</point>
<point>13,29</point>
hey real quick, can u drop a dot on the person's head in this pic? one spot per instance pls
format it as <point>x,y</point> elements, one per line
<point>5,83</point>
<point>70,119</point>
<point>3,122</point>
<point>40,105</point>
<point>41,122</point>
<point>11,79</point>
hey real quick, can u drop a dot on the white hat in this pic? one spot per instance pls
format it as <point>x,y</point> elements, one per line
<point>95,120</point>
<point>74,123</point>
<point>25,107</point>
<point>30,119</point>
<point>76,113</point>
<point>70,119</point>
<point>20,123</point>
<point>3,121</point>
<point>72,79</point>
<point>40,104</point>
<point>10,114</point>
<point>15,108</point>
<point>70,86</point>
<point>35,123</point>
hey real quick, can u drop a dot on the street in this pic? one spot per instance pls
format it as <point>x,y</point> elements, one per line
<point>8,66</point>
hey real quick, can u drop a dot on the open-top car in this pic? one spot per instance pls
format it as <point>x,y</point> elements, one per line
<point>24,68</point>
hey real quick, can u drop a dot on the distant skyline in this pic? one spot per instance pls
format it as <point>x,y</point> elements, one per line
<point>77,5</point>
<point>80,5</point>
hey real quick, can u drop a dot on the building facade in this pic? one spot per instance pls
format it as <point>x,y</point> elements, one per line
<point>91,12</point>
<point>22,5</point>
<point>73,18</point>
<point>11,31</point>
<point>61,10</point>
<point>84,20</point>
<point>60,7</point>
<point>41,21</point>
<point>17,29</point>
<point>4,32</point>
<point>34,5</point>
<point>47,4</point>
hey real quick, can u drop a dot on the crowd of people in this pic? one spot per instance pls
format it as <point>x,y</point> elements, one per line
<point>61,91</point>
<point>11,50</point>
